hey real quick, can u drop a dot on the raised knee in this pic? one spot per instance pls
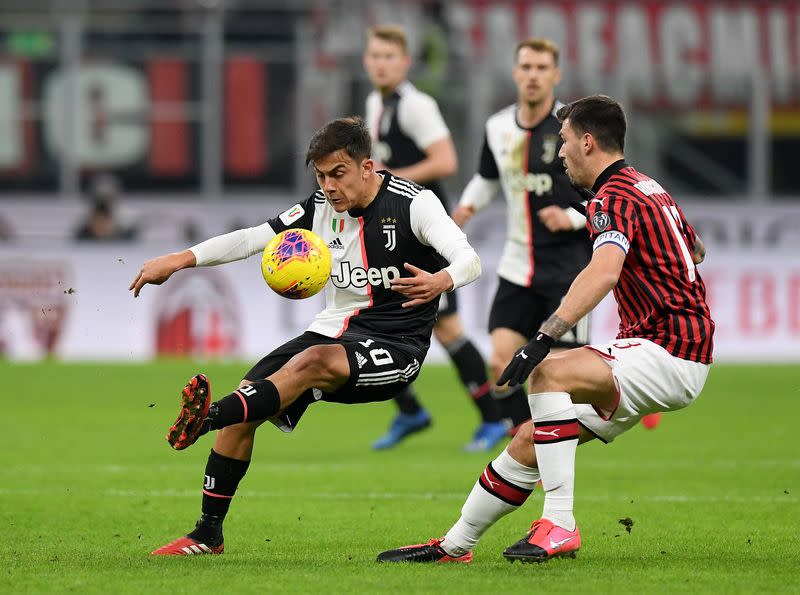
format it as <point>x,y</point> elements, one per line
<point>548,375</point>
<point>313,363</point>
<point>498,363</point>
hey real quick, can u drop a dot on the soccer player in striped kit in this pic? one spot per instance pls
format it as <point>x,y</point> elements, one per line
<point>646,252</point>
<point>394,251</point>
<point>546,241</point>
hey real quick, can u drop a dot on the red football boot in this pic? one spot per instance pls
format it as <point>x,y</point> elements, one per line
<point>186,546</point>
<point>544,541</point>
<point>195,401</point>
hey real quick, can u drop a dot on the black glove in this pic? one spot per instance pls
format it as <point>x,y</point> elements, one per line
<point>525,360</point>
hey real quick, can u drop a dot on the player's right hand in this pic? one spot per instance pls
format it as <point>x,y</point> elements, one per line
<point>159,269</point>
<point>462,214</point>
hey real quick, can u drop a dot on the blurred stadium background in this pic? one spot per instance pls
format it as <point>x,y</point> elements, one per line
<point>157,124</point>
<point>129,128</point>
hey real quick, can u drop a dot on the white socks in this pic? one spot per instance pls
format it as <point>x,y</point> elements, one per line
<point>502,488</point>
<point>555,438</point>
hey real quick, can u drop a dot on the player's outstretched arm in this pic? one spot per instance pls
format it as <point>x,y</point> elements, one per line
<point>161,268</point>
<point>228,247</point>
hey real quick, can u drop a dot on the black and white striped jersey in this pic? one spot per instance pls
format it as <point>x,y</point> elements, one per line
<point>402,126</point>
<point>368,249</point>
<point>524,163</point>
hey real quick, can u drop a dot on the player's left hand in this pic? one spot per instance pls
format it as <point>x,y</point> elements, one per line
<point>555,218</point>
<point>525,360</point>
<point>422,287</point>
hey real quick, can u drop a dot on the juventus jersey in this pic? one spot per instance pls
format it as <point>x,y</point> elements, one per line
<point>402,126</point>
<point>526,163</point>
<point>368,249</point>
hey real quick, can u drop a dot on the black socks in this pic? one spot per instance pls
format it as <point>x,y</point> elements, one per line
<point>253,402</point>
<point>221,479</point>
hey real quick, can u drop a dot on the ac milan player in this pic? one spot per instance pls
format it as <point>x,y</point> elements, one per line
<point>646,251</point>
<point>389,241</point>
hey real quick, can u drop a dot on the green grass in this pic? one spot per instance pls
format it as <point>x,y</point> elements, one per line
<point>90,487</point>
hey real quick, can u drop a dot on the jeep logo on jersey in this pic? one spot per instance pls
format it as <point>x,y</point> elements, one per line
<point>359,277</point>
<point>539,184</point>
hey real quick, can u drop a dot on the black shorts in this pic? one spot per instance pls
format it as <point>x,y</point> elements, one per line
<point>378,371</point>
<point>447,304</point>
<point>524,309</point>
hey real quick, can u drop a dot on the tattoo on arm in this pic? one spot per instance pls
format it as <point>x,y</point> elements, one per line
<point>555,327</point>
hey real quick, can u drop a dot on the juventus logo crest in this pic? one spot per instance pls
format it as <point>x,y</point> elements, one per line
<point>549,148</point>
<point>209,483</point>
<point>389,232</point>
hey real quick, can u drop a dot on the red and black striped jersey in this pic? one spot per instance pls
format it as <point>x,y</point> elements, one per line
<point>660,294</point>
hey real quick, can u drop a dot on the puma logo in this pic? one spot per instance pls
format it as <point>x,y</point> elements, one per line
<point>491,483</point>
<point>553,433</point>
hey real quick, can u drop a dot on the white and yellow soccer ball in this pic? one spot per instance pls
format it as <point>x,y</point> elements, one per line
<point>296,263</point>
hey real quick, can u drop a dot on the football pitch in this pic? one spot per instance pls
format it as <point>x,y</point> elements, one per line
<point>90,487</point>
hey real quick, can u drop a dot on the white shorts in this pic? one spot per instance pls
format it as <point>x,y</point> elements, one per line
<point>648,379</point>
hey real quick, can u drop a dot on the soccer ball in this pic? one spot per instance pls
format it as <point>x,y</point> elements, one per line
<point>296,263</point>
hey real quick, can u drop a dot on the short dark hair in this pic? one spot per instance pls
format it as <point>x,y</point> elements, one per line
<point>350,135</point>
<point>539,44</point>
<point>599,115</point>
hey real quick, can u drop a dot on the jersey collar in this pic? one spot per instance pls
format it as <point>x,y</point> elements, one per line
<point>535,126</point>
<point>359,212</point>
<point>607,173</point>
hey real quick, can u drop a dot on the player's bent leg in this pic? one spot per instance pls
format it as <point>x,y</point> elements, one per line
<point>581,373</point>
<point>575,376</point>
<point>324,367</point>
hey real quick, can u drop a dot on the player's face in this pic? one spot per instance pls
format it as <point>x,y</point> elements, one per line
<point>344,181</point>
<point>573,156</point>
<point>536,75</point>
<point>386,64</point>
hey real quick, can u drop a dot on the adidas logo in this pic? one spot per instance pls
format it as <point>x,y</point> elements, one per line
<point>361,360</point>
<point>336,244</point>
